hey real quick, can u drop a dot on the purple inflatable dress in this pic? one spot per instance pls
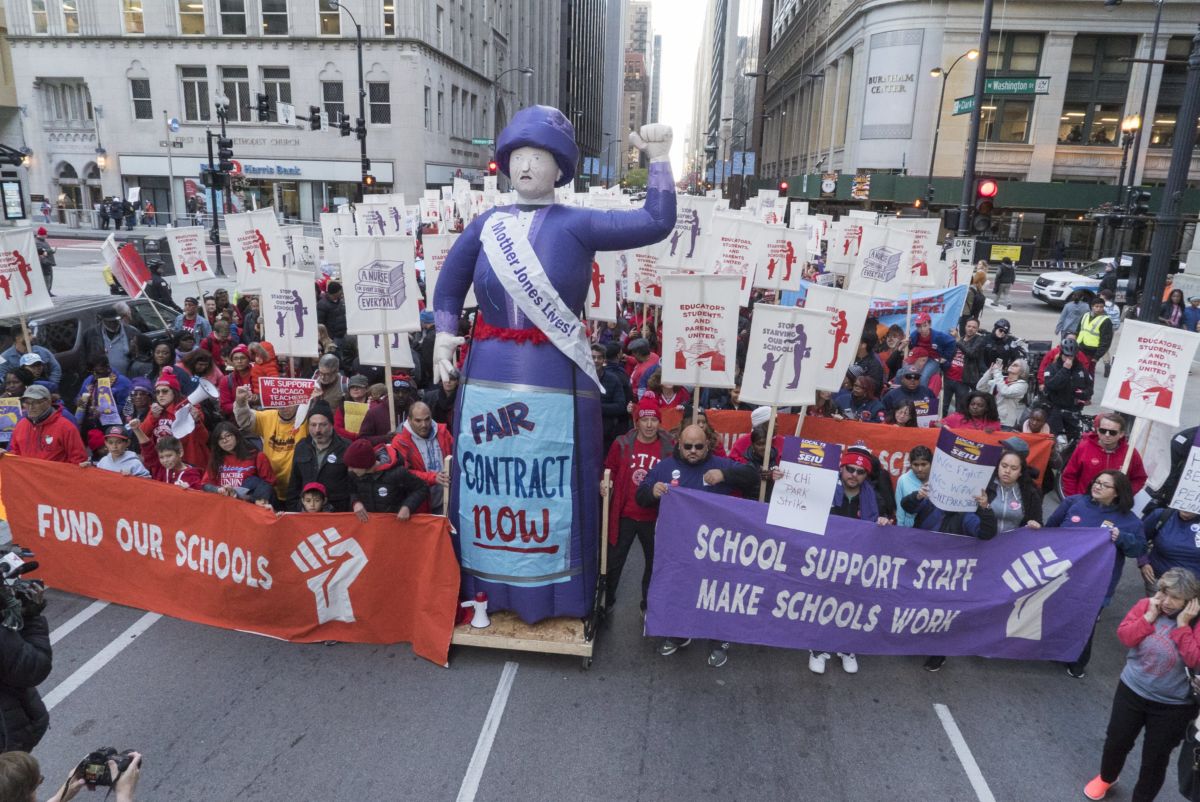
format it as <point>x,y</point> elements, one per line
<point>527,450</point>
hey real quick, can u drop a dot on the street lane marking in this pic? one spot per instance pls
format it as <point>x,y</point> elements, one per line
<point>483,747</point>
<point>74,622</point>
<point>964,755</point>
<point>99,661</point>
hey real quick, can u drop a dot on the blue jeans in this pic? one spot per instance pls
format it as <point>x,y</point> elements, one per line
<point>931,369</point>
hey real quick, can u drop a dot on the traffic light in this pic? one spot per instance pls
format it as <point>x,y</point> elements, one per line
<point>918,204</point>
<point>224,154</point>
<point>783,187</point>
<point>344,125</point>
<point>366,165</point>
<point>360,128</point>
<point>985,204</point>
<point>263,106</point>
<point>368,180</point>
<point>314,118</point>
<point>493,168</point>
<point>1139,202</point>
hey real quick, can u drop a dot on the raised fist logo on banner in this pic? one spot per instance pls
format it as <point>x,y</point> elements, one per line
<point>331,587</point>
<point>1042,573</point>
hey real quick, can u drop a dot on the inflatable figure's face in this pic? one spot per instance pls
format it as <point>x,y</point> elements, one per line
<point>533,173</point>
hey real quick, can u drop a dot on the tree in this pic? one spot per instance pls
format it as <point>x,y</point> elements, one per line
<point>636,179</point>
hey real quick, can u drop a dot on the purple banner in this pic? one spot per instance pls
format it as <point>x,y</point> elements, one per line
<point>722,572</point>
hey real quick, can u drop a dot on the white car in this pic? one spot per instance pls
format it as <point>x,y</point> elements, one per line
<point>1056,286</point>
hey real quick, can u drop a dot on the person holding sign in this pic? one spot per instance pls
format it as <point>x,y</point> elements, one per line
<point>236,468</point>
<point>530,265</point>
<point>694,467</point>
<point>1108,503</point>
<point>1154,693</point>
<point>279,431</point>
<point>1014,498</point>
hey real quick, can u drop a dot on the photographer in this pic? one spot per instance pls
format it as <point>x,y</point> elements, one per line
<point>20,777</point>
<point>25,662</point>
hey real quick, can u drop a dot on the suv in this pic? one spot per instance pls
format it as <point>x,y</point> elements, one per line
<point>1056,286</point>
<point>60,330</point>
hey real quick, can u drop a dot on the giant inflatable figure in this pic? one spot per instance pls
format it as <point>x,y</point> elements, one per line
<point>527,452</point>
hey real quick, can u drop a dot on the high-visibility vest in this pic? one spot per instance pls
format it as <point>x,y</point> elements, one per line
<point>1089,330</point>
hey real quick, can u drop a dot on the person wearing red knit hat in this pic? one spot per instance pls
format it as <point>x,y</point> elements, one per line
<point>379,481</point>
<point>168,401</point>
<point>629,458</point>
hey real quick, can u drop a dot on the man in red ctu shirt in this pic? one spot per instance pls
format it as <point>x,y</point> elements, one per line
<point>44,432</point>
<point>630,458</point>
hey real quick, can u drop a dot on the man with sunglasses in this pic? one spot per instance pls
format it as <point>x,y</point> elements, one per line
<point>1099,451</point>
<point>1002,345</point>
<point>693,466</point>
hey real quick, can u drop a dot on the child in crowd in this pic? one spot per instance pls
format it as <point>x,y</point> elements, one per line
<point>920,462</point>
<point>119,458</point>
<point>314,498</point>
<point>164,459</point>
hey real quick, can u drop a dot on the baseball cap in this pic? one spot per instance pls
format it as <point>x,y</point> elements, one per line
<point>191,299</point>
<point>36,392</point>
<point>110,314</point>
<point>315,487</point>
<point>910,370</point>
<point>116,431</point>
<point>359,380</point>
<point>924,318</point>
<point>32,358</point>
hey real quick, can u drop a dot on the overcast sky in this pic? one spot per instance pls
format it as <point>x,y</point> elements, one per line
<point>680,23</point>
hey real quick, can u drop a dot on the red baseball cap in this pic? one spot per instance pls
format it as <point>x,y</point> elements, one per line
<point>316,487</point>
<point>924,318</point>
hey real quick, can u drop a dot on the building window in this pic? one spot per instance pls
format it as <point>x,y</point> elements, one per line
<point>1006,118</point>
<point>428,109</point>
<point>70,9</point>
<point>235,81</point>
<point>40,18</point>
<point>379,102</point>
<point>438,29</point>
<point>1015,52</point>
<point>191,17</point>
<point>389,17</point>
<point>1005,122</point>
<point>195,93</point>
<point>274,18</point>
<point>330,18</point>
<point>277,84</point>
<point>131,16</point>
<point>454,111</point>
<point>1170,94</point>
<point>1096,89</point>
<point>332,95</point>
<point>441,111</point>
<point>139,90</point>
<point>233,17</point>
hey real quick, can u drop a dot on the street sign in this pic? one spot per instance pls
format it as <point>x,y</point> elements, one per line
<point>175,143</point>
<point>478,141</point>
<point>286,113</point>
<point>1016,86</point>
<point>964,105</point>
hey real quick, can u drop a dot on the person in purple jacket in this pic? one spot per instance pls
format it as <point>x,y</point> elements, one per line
<point>528,449</point>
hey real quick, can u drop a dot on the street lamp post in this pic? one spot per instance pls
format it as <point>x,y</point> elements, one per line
<point>741,193</point>
<point>361,128</point>
<point>526,71</point>
<point>938,72</point>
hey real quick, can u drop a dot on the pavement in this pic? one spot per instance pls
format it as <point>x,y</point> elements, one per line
<point>223,715</point>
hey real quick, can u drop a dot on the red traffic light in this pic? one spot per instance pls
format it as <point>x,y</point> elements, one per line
<point>493,167</point>
<point>783,186</point>
<point>987,188</point>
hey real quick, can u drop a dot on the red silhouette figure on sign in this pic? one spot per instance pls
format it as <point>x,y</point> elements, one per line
<point>840,335</point>
<point>6,285</point>
<point>263,247</point>
<point>789,259</point>
<point>183,268</point>
<point>25,270</point>
<point>250,261</point>
<point>597,280</point>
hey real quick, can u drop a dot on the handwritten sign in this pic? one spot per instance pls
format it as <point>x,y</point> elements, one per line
<point>281,391</point>
<point>801,499</point>
<point>1187,494</point>
<point>961,471</point>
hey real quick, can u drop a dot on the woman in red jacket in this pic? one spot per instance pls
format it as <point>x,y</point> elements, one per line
<point>236,468</point>
<point>159,423</point>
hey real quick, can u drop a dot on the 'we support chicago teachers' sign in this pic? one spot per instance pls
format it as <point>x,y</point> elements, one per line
<point>722,572</point>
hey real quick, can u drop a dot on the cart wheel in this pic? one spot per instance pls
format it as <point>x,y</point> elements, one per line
<point>587,663</point>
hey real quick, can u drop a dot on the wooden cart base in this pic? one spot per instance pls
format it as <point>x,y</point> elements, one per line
<point>551,636</point>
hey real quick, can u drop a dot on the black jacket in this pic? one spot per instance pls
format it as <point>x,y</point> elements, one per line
<point>387,489</point>
<point>974,351</point>
<point>1068,388</point>
<point>333,315</point>
<point>25,662</point>
<point>441,403</point>
<point>333,475</point>
<point>614,403</point>
<point>159,290</point>
<point>1006,273</point>
<point>1007,350</point>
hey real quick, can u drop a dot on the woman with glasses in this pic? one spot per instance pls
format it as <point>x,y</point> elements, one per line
<point>169,403</point>
<point>1101,450</point>
<point>1154,695</point>
<point>1108,503</point>
<point>238,469</point>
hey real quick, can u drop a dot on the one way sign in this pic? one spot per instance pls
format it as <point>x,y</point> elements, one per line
<point>287,114</point>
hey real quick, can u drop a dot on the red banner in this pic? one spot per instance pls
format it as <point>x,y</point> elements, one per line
<point>282,391</point>
<point>890,444</point>
<point>226,563</point>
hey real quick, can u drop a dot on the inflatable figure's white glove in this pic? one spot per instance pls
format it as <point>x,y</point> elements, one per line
<point>444,346</point>
<point>654,140</point>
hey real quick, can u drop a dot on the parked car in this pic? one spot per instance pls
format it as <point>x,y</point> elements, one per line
<point>61,330</point>
<point>1056,286</point>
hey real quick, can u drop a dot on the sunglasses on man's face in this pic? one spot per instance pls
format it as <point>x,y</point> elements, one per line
<point>1110,432</point>
<point>693,446</point>
<point>853,471</point>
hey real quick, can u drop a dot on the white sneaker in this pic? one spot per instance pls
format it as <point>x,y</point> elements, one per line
<point>849,662</point>
<point>816,662</point>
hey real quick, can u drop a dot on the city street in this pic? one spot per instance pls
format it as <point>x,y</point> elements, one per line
<point>224,715</point>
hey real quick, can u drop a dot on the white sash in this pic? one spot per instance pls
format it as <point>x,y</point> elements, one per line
<point>521,272</point>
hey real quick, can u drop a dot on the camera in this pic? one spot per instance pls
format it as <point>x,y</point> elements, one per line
<point>19,598</point>
<point>94,768</point>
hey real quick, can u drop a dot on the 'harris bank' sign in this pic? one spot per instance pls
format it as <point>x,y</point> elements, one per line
<point>260,169</point>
